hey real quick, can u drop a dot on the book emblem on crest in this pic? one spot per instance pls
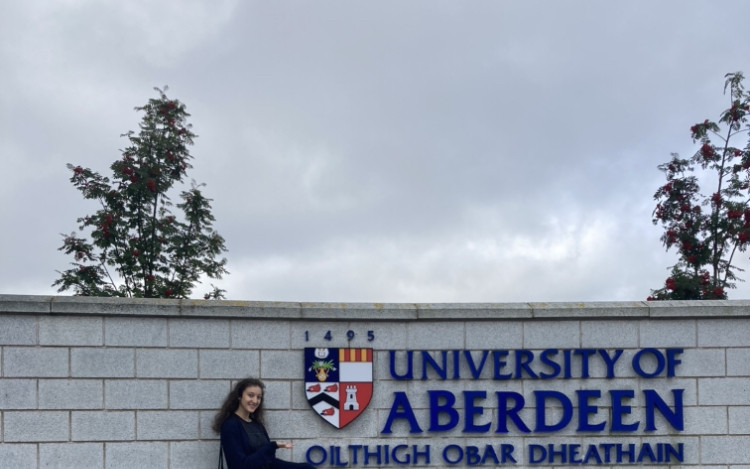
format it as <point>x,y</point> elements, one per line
<point>338,382</point>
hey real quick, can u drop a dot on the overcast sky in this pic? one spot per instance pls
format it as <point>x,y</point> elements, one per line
<point>379,151</point>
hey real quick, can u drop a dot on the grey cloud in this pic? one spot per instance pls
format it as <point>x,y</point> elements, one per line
<point>378,151</point>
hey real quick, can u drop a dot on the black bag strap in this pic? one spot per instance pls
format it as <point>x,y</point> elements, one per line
<point>221,457</point>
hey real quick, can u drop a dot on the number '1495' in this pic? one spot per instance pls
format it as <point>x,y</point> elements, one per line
<point>350,335</point>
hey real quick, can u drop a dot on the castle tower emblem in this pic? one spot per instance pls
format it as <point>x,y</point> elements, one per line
<point>351,398</point>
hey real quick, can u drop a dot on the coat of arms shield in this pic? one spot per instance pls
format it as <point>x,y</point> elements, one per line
<point>338,382</point>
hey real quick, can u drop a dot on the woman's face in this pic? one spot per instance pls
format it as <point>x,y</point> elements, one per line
<point>250,399</point>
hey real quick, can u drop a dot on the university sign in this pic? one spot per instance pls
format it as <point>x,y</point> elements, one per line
<point>339,386</point>
<point>410,386</point>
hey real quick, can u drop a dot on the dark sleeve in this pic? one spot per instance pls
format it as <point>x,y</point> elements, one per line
<point>237,450</point>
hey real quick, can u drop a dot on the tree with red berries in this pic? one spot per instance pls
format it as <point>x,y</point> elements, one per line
<point>708,231</point>
<point>136,246</point>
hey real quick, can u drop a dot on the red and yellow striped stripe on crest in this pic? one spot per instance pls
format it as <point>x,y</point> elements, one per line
<point>355,355</point>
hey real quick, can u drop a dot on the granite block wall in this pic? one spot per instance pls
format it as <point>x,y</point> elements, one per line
<point>125,383</point>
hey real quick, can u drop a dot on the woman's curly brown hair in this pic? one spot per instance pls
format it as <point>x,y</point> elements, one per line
<point>232,401</point>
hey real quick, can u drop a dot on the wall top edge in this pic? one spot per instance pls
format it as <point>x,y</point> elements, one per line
<point>139,307</point>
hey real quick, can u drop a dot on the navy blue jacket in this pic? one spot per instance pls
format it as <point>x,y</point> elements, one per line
<point>237,450</point>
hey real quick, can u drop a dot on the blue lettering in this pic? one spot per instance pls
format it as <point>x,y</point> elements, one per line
<point>489,452</point>
<point>456,362</point>
<point>619,409</point>
<point>573,454</point>
<point>552,453</point>
<point>455,449</point>
<point>607,447</point>
<point>610,361</point>
<point>523,359</point>
<point>507,451</point>
<point>504,413</point>
<point>428,360</point>
<point>585,353</point>
<point>672,360</point>
<point>630,452</point>
<point>372,454</point>
<point>654,401</point>
<point>585,409</point>
<point>546,358</point>
<point>336,457</point>
<point>472,455</point>
<point>354,453</point>
<point>398,459</point>
<point>473,410</point>
<point>392,362</point>
<point>447,408</point>
<point>541,420</point>
<point>476,371</point>
<point>316,449</point>
<point>679,453</point>
<point>425,454</point>
<point>400,401</point>
<point>537,454</point>
<point>659,362</point>
<point>592,453</point>
<point>647,451</point>
<point>499,356</point>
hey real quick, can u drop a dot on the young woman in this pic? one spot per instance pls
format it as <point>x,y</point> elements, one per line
<point>244,439</point>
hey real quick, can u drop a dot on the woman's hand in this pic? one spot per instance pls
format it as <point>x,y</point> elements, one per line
<point>284,445</point>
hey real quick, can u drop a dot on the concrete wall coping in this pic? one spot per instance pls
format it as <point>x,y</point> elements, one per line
<point>142,307</point>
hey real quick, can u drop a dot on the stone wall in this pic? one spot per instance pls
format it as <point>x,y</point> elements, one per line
<point>115,383</point>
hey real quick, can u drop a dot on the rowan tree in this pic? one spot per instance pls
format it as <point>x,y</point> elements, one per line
<point>708,230</point>
<point>136,246</point>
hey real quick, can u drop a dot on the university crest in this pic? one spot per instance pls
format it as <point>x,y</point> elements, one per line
<point>338,382</point>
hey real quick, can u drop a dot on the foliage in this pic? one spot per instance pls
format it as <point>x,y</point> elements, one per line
<point>708,231</point>
<point>323,365</point>
<point>137,247</point>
